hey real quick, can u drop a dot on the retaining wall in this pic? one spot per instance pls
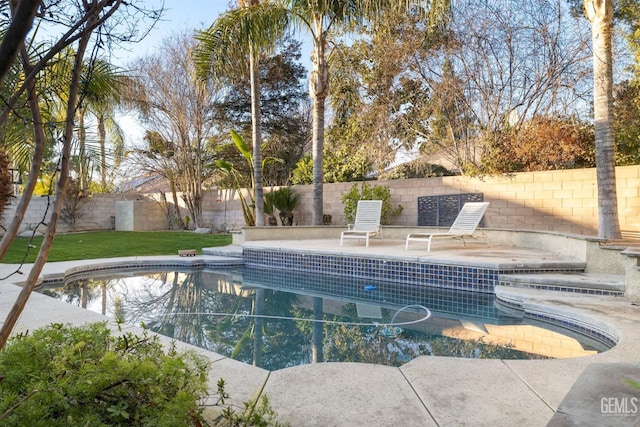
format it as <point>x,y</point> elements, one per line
<point>96,212</point>
<point>561,201</point>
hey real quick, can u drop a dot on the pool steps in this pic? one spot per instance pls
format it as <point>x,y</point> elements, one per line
<point>524,303</point>
<point>232,251</point>
<point>575,282</point>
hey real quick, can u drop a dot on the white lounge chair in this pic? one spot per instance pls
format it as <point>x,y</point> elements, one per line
<point>465,225</point>
<point>367,223</point>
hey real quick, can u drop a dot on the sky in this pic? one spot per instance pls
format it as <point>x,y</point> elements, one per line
<point>179,15</point>
<point>183,15</point>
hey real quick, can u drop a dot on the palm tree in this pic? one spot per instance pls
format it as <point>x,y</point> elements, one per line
<point>234,178</point>
<point>102,97</point>
<point>109,128</point>
<point>101,94</point>
<point>101,87</point>
<point>600,14</point>
<point>224,47</point>
<point>321,19</point>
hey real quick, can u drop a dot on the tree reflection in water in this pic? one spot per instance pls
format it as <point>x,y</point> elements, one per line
<point>214,311</point>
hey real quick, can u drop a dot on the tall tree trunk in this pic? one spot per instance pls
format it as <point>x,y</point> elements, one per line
<point>256,126</point>
<point>600,14</point>
<point>102,139</point>
<point>319,87</point>
<point>197,181</point>
<point>176,203</point>
<point>256,137</point>
<point>83,161</point>
<point>36,161</point>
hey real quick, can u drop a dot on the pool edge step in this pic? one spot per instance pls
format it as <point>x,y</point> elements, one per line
<point>574,282</point>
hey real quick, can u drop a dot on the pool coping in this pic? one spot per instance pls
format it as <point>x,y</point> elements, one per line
<point>330,393</point>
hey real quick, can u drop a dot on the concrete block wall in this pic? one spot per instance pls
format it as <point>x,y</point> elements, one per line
<point>561,201</point>
<point>221,210</point>
<point>140,215</point>
<point>96,212</point>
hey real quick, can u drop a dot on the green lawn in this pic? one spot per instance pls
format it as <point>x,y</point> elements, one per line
<point>109,244</point>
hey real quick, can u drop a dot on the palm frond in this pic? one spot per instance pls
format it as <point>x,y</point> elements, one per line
<point>116,136</point>
<point>102,83</point>
<point>224,48</point>
<point>16,142</point>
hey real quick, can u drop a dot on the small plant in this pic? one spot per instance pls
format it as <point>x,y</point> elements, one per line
<point>270,208</point>
<point>253,414</point>
<point>369,192</point>
<point>285,200</point>
<point>65,375</point>
<point>187,220</point>
<point>234,177</point>
<point>632,383</point>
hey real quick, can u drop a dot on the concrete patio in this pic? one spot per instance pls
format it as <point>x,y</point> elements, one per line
<point>436,391</point>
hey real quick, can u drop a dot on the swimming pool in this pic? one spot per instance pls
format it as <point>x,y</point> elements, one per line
<point>277,318</point>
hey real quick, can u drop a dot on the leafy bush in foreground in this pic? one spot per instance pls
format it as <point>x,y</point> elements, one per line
<point>66,375</point>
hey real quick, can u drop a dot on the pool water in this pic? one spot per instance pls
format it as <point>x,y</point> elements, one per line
<point>278,319</point>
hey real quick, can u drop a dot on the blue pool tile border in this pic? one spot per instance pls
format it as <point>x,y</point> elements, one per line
<point>109,268</point>
<point>601,335</point>
<point>404,271</point>
<point>565,288</point>
<point>437,299</point>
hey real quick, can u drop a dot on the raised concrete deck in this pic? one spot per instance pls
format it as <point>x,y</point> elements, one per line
<point>426,391</point>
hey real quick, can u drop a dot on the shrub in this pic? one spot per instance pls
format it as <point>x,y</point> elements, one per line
<point>418,168</point>
<point>66,375</point>
<point>369,192</point>
<point>285,200</point>
<point>270,207</point>
<point>303,172</point>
